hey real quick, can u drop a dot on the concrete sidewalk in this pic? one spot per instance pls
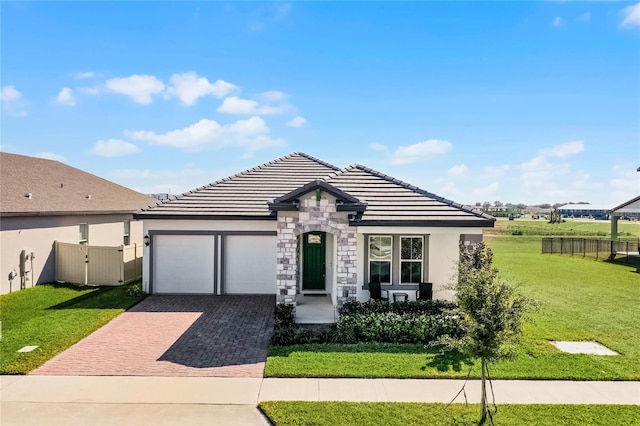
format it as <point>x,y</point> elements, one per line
<point>71,400</point>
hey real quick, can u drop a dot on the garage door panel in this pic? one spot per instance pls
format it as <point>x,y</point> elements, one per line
<point>183,264</point>
<point>250,264</point>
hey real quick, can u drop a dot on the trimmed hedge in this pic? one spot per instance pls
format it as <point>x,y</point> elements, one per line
<point>422,321</point>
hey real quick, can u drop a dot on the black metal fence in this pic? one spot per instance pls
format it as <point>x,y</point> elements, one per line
<point>590,247</point>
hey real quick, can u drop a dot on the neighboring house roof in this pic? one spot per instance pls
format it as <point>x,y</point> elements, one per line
<point>630,207</point>
<point>583,207</point>
<point>250,195</point>
<point>58,189</point>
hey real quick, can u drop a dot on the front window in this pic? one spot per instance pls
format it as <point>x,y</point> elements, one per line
<point>410,260</point>
<point>380,252</point>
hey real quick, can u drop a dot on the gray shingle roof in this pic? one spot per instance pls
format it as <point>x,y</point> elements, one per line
<point>248,194</point>
<point>57,188</point>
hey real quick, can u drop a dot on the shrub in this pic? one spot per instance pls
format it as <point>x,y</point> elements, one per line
<point>422,321</point>
<point>284,315</point>
<point>401,322</point>
<point>291,335</point>
<point>135,290</point>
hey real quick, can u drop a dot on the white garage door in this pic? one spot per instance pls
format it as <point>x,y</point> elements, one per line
<point>250,264</point>
<point>183,264</point>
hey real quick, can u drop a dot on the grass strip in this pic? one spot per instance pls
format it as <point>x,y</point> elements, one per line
<point>284,413</point>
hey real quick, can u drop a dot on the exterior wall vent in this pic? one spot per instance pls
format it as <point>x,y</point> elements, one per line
<point>88,196</point>
<point>28,195</point>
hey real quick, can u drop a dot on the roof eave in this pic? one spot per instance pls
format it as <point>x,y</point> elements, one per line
<point>182,216</point>
<point>66,213</point>
<point>429,223</point>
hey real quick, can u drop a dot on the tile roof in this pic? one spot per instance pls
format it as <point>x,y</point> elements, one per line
<point>57,188</point>
<point>390,200</point>
<point>249,193</point>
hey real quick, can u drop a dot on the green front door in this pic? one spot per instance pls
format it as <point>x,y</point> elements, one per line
<point>314,261</point>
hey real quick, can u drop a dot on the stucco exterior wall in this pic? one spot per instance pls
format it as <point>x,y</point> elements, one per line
<point>36,234</point>
<point>441,255</point>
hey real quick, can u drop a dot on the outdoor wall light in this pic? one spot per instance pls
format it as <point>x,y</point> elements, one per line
<point>146,240</point>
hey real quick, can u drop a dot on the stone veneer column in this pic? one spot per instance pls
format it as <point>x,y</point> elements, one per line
<point>286,255</point>
<point>315,216</point>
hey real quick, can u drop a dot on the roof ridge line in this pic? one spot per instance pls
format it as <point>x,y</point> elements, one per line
<point>421,191</point>
<point>244,172</point>
<point>317,160</point>
<point>216,182</point>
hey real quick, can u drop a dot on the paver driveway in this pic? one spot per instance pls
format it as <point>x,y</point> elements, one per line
<point>221,336</point>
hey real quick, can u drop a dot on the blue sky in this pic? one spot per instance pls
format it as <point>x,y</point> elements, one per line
<point>523,102</point>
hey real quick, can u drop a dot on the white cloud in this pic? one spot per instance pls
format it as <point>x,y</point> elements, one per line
<point>10,94</point>
<point>378,147</point>
<point>272,96</point>
<point>12,101</point>
<point>557,21</point>
<point>114,148</point>
<point>420,151</point>
<point>140,88</point>
<point>50,156</point>
<point>172,181</point>
<point>282,10</point>
<point>251,134</point>
<point>486,191</point>
<point>89,90</point>
<point>631,16</point>
<point>297,122</point>
<point>238,106</point>
<point>188,87</point>
<point>585,17</point>
<point>84,75</point>
<point>65,97</point>
<point>624,183</point>
<point>494,172</point>
<point>458,170</point>
<point>563,149</point>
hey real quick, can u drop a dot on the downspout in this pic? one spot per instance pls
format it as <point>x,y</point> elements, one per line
<point>31,258</point>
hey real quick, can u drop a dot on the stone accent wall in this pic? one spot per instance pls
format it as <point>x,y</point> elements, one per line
<point>322,216</point>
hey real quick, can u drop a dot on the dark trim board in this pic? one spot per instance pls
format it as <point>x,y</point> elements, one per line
<point>429,223</point>
<point>222,268</point>
<point>218,252</point>
<point>168,216</point>
<point>215,264</point>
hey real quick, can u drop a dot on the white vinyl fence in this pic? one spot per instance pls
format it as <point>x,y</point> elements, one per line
<point>85,264</point>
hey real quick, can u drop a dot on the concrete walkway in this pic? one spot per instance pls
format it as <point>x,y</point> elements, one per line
<point>106,400</point>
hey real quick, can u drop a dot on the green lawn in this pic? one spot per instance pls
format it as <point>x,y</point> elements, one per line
<point>570,228</point>
<point>580,299</point>
<point>283,413</point>
<point>54,317</point>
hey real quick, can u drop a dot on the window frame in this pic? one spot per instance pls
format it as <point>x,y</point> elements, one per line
<point>369,259</point>
<point>126,239</point>
<point>80,227</point>
<point>401,260</point>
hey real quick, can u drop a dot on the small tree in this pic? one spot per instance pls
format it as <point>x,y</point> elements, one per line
<point>491,311</point>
